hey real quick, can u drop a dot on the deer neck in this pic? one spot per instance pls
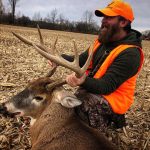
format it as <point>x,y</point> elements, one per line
<point>55,116</point>
<point>54,119</point>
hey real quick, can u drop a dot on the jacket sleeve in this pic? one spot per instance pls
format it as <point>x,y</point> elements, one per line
<point>124,66</point>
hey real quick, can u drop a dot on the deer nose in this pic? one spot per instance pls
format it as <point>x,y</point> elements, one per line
<point>4,111</point>
<point>3,108</point>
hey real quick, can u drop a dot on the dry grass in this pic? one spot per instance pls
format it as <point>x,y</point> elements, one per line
<point>20,63</point>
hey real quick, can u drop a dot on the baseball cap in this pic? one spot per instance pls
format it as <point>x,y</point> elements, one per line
<point>117,8</point>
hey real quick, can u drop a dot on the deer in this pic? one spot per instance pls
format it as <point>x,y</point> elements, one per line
<point>54,123</point>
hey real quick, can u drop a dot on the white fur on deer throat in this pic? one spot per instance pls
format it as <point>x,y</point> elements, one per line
<point>32,121</point>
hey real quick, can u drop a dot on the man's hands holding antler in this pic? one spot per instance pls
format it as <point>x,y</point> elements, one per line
<point>74,81</point>
<point>71,79</point>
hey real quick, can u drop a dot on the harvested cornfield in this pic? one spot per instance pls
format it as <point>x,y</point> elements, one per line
<point>20,63</point>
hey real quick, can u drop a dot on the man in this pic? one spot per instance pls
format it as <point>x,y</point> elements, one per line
<point>107,90</point>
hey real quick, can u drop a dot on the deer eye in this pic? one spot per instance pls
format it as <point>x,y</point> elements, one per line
<point>38,98</point>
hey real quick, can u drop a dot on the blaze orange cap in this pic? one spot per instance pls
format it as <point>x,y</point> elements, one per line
<point>117,8</point>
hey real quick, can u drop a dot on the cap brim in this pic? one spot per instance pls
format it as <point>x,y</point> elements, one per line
<point>105,11</point>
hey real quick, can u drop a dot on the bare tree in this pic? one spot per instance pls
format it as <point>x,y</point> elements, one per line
<point>88,17</point>
<point>2,10</point>
<point>47,18</point>
<point>19,15</point>
<point>13,8</point>
<point>53,15</point>
<point>37,16</point>
<point>61,19</point>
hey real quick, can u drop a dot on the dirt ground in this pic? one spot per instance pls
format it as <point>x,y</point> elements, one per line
<point>20,63</point>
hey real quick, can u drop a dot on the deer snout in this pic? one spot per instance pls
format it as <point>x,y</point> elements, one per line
<point>6,111</point>
<point>10,109</point>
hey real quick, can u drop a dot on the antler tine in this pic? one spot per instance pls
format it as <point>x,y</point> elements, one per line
<point>28,42</point>
<point>56,83</point>
<point>76,56</point>
<point>40,35</point>
<point>42,41</point>
<point>54,46</point>
<point>84,68</point>
<point>52,71</point>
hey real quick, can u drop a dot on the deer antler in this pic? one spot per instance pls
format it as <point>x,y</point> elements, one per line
<point>45,52</point>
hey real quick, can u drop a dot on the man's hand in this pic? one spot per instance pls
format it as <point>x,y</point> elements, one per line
<point>73,81</point>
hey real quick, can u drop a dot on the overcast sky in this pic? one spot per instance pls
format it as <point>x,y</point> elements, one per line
<point>73,9</point>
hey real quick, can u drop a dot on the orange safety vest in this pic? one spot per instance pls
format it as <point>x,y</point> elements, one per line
<point>122,98</point>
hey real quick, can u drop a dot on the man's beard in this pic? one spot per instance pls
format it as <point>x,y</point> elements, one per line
<point>107,33</point>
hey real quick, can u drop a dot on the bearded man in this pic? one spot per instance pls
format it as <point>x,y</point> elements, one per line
<point>107,89</point>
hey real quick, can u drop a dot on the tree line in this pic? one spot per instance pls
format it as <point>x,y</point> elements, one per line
<point>53,20</point>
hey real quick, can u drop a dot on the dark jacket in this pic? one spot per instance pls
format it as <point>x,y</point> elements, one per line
<point>125,65</point>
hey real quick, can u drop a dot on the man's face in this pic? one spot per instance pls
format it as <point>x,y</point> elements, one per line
<point>109,28</point>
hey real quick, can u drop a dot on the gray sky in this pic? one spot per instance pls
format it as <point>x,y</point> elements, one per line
<point>73,9</point>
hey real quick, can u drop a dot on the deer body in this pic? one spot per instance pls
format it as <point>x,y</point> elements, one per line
<point>58,128</point>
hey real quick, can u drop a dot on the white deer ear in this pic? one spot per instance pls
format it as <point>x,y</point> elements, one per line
<point>70,102</point>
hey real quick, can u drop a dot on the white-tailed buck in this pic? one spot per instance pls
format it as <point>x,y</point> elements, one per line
<point>56,126</point>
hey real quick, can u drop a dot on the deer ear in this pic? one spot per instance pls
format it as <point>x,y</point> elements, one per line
<point>70,102</point>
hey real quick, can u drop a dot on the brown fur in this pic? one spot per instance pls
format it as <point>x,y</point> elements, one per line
<point>58,128</point>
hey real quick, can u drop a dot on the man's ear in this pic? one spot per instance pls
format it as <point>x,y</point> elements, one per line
<point>70,102</point>
<point>123,23</point>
